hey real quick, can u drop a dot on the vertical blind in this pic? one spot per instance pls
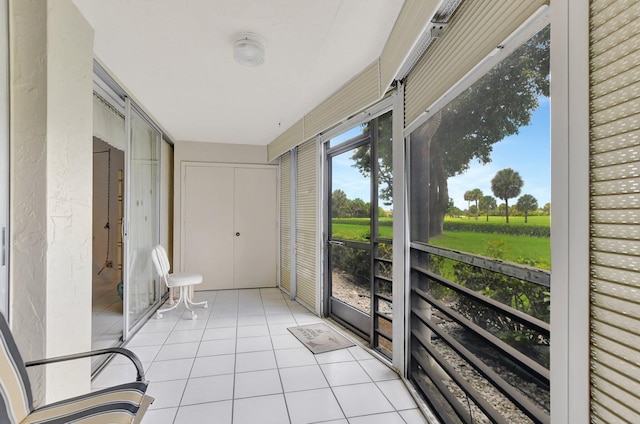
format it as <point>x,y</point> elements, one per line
<point>615,210</point>
<point>285,221</point>
<point>306,223</point>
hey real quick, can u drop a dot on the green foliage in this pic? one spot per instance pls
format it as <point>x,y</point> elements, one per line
<point>382,130</point>
<point>531,230</point>
<point>506,184</point>
<point>527,203</point>
<point>465,130</point>
<point>342,207</point>
<point>523,296</point>
<point>487,204</point>
<point>355,263</point>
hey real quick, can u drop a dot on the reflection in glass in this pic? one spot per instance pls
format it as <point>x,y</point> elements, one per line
<point>143,208</point>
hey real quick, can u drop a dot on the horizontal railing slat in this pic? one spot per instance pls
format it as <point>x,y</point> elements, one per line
<point>532,275</point>
<point>515,355</point>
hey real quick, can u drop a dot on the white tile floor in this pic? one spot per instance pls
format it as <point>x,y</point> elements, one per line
<point>237,363</point>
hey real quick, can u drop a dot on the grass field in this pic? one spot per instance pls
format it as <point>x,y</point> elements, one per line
<point>532,251</point>
<point>358,231</point>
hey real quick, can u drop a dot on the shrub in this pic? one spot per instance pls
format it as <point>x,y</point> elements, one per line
<point>498,228</point>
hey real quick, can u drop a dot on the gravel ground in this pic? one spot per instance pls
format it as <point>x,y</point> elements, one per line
<point>504,406</point>
<point>359,297</point>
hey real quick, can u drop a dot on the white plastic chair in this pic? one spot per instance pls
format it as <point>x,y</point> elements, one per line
<point>183,280</point>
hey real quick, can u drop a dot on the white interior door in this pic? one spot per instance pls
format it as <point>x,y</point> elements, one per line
<point>208,225</point>
<point>255,247</point>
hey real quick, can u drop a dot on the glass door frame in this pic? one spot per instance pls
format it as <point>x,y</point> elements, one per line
<point>386,105</point>
<point>354,318</point>
<point>131,326</point>
<point>4,160</point>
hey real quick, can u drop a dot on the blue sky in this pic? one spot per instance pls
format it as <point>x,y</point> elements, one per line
<point>528,153</point>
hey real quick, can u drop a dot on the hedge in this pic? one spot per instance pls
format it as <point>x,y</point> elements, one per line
<point>499,228</point>
<point>383,222</point>
<point>514,229</point>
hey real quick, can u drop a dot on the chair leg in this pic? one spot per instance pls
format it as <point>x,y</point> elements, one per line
<point>184,297</point>
<point>159,312</point>
<point>204,304</point>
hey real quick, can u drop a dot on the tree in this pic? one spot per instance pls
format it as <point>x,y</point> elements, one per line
<point>527,203</point>
<point>496,106</point>
<point>358,208</point>
<point>506,184</point>
<point>546,209</point>
<point>468,196</point>
<point>381,129</point>
<point>339,204</point>
<point>476,195</point>
<point>487,203</point>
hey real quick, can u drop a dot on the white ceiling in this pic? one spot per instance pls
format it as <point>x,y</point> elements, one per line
<point>175,57</point>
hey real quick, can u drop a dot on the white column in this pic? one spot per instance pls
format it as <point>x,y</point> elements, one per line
<point>51,59</point>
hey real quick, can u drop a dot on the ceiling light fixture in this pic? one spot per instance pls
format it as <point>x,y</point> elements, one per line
<point>248,49</point>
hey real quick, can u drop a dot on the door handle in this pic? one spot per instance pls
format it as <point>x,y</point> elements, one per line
<point>237,234</point>
<point>337,243</point>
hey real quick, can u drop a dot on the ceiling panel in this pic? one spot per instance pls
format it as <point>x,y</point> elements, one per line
<point>175,57</point>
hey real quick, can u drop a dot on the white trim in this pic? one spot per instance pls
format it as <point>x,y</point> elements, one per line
<point>5,245</point>
<point>293,223</point>
<point>319,308</point>
<point>401,285</point>
<point>366,115</point>
<point>570,200</point>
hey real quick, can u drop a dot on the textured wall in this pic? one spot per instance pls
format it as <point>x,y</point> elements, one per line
<point>51,148</point>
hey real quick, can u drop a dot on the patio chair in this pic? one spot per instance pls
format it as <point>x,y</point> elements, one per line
<point>124,403</point>
<point>183,280</point>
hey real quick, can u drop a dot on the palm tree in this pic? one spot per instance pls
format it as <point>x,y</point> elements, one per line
<point>506,184</point>
<point>476,195</point>
<point>468,196</point>
<point>488,203</point>
<point>527,203</point>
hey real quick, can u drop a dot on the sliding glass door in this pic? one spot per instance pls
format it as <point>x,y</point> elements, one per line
<point>142,220</point>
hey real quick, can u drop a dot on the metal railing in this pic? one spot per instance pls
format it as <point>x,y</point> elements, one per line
<point>474,358</point>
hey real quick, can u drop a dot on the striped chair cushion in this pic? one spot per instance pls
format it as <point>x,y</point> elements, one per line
<point>115,405</point>
<point>15,391</point>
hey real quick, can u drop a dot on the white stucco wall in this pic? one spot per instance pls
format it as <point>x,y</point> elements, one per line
<point>51,177</point>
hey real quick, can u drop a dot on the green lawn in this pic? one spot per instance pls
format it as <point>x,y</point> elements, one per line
<point>358,231</point>
<point>532,251</point>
